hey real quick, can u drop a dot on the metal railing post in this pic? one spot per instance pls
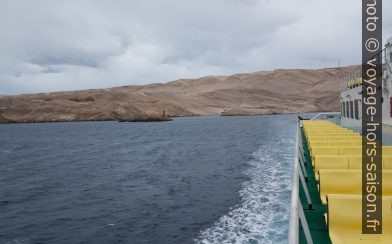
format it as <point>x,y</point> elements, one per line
<point>309,200</point>
<point>304,224</point>
<point>293,237</point>
<point>303,169</point>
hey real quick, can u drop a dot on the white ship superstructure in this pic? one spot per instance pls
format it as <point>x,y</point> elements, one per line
<point>351,92</point>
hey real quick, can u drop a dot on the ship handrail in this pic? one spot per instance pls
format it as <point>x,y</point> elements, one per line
<point>293,237</point>
<point>297,214</point>
<point>320,115</point>
<point>357,70</point>
<point>296,210</point>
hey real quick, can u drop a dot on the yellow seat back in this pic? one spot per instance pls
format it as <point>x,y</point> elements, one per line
<point>337,139</point>
<point>387,163</point>
<point>355,162</point>
<point>353,150</point>
<point>348,181</point>
<point>320,143</point>
<point>387,150</point>
<point>329,162</point>
<point>387,183</point>
<point>339,181</point>
<point>323,151</point>
<point>346,143</point>
<point>345,220</point>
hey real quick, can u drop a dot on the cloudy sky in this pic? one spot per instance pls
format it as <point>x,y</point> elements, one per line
<point>49,45</point>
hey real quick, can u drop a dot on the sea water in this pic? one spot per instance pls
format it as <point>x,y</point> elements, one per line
<point>191,180</point>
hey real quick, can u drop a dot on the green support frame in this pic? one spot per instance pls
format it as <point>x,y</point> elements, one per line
<point>315,216</point>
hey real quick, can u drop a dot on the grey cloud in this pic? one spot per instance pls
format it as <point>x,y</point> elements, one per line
<point>78,44</point>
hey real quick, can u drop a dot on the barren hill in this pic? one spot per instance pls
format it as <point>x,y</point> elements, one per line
<point>278,91</point>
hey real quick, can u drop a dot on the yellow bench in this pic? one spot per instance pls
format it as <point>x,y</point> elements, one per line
<point>323,129</point>
<point>344,220</point>
<point>336,150</point>
<point>345,150</point>
<point>345,162</point>
<point>332,133</point>
<point>387,150</point>
<point>351,150</point>
<point>334,139</point>
<point>329,162</point>
<point>348,181</point>
<point>346,143</point>
<point>335,143</point>
<point>332,136</point>
<point>387,163</point>
<point>354,140</point>
<point>323,151</point>
<point>355,162</point>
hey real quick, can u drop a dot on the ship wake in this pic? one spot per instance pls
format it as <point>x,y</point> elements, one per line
<point>263,214</point>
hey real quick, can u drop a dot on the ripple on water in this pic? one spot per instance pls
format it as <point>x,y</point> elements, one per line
<point>263,214</point>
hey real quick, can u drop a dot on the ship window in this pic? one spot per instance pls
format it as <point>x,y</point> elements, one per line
<point>351,109</point>
<point>390,107</point>
<point>341,108</point>
<point>356,109</point>
<point>359,109</point>
<point>347,111</point>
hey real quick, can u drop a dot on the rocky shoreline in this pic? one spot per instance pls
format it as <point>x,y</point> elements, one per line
<point>259,93</point>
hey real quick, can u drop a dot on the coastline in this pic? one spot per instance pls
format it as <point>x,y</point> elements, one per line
<point>149,120</point>
<point>250,94</point>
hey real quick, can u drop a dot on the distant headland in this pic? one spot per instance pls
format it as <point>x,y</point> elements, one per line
<point>259,93</point>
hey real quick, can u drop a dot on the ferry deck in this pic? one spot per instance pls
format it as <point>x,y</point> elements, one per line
<point>327,188</point>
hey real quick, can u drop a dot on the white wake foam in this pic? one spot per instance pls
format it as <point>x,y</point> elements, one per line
<point>263,214</point>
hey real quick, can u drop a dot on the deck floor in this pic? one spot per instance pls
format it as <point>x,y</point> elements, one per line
<point>314,217</point>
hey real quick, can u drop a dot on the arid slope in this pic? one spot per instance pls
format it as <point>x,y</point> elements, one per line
<point>278,91</point>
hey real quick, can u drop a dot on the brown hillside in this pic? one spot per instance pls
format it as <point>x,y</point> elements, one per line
<point>278,91</point>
